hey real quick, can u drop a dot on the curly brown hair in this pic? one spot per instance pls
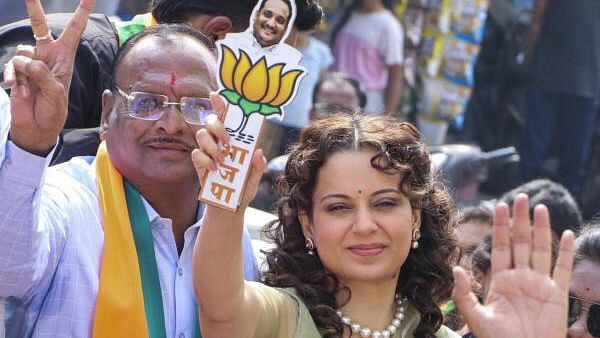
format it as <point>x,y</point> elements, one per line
<point>425,277</point>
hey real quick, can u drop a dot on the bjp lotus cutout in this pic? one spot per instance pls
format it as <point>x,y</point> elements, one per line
<point>254,87</point>
<point>258,80</point>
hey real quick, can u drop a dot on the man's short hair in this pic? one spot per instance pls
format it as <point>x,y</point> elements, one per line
<point>477,213</point>
<point>180,11</point>
<point>166,33</point>
<point>564,211</point>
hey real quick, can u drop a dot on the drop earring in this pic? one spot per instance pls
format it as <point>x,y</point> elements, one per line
<point>416,235</point>
<point>310,246</point>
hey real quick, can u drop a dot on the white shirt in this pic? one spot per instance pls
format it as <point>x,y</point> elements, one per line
<point>51,241</point>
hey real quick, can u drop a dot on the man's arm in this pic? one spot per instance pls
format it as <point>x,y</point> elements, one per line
<point>29,244</point>
<point>30,122</point>
<point>393,91</point>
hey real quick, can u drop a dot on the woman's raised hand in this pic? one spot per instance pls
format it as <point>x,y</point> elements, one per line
<point>524,299</point>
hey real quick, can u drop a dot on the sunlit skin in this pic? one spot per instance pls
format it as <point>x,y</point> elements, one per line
<point>271,22</point>
<point>585,284</point>
<point>361,228</point>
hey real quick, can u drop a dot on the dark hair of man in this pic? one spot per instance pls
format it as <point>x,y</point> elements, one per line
<point>425,278</point>
<point>587,244</point>
<point>166,34</point>
<point>181,11</point>
<point>476,213</point>
<point>564,211</point>
<point>481,258</point>
<point>341,77</point>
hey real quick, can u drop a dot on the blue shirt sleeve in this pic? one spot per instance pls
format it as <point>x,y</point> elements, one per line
<point>28,244</point>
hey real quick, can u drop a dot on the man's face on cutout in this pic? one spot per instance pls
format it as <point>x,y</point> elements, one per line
<point>271,22</point>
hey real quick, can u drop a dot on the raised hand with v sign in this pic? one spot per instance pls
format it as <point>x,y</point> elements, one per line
<point>40,78</point>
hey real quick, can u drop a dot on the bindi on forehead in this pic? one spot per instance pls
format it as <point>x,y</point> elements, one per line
<point>173,82</point>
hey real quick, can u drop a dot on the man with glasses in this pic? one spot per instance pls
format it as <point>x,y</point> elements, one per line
<point>102,246</point>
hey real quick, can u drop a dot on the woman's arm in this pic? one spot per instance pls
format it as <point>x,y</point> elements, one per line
<point>227,307</point>
<point>393,91</point>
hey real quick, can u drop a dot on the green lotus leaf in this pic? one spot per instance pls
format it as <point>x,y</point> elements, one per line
<point>231,96</point>
<point>249,107</point>
<point>267,110</point>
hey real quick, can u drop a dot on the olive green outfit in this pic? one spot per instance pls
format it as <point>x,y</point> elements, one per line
<point>284,315</point>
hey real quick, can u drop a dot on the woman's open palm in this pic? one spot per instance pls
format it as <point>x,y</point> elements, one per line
<point>524,300</point>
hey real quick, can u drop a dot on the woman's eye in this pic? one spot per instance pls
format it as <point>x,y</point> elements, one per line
<point>386,203</point>
<point>337,207</point>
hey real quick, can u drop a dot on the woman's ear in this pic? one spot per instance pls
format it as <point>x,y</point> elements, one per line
<point>305,223</point>
<point>107,105</point>
<point>416,219</point>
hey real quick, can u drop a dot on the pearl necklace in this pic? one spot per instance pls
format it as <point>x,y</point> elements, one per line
<point>365,332</point>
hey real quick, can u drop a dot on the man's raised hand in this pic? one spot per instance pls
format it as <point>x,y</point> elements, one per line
<point>40,78</point>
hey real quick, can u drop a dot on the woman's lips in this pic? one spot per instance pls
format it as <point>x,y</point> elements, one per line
<point>367,249</point>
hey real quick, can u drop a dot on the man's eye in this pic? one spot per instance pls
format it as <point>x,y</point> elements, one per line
<point>281,20</point>
<point>144,105</point>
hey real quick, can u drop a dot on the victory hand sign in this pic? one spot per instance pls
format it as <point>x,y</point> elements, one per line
<point>40,77</point>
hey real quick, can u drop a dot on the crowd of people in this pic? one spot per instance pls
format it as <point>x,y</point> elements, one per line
<point>366,240</point>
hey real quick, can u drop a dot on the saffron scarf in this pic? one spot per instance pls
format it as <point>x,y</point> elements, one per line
<point>129,301</point>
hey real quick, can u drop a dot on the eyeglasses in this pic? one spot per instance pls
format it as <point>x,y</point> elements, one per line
<point>593,320</point>
<point>152,107</point>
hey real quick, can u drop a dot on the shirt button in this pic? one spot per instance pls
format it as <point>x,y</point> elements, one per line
<point>180,272</point>
<point>182,335</point>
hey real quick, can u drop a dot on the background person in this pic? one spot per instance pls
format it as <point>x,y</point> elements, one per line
<point>564,211</point>
<point>337,92</point>
<point>564,89</point>
<point>584,292</point>
<point>367,42</point>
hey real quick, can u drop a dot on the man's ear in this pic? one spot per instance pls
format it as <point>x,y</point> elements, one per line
<point>305,223</point>
<point>217,27</point>
<point>107,105</point>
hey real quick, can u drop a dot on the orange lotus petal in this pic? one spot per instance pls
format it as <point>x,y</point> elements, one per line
<point>227,66</point>
<point>286,89</point>
<point>242,68</point>
<point>274,83</point>
<point>254,85</point>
